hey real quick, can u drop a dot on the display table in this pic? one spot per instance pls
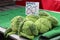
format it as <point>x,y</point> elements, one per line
<point>6,16</point>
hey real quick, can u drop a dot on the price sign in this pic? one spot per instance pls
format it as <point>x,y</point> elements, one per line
<point>32,8</point>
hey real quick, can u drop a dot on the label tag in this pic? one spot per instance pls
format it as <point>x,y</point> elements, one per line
<point>32,8</point>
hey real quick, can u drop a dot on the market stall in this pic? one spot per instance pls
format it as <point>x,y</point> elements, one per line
<point>6,16</point>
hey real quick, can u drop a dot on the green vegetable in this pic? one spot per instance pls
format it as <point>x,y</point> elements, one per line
<point>43,25</point>
<point>32,17</point>
<point>53,20</point>
<point>27,36</point>
<point>42,13</point>
<point>29,29</point>
<point>32,25</point>
<point>15,22</point>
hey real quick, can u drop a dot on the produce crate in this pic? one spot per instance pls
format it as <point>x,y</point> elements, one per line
<point>7,15</point>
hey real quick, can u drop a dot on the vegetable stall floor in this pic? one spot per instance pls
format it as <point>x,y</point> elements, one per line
<point>7,15</point>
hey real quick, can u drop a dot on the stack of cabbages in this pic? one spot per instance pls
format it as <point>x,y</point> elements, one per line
<point>32,25</point>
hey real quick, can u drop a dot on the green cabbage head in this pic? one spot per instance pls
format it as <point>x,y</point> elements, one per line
<point>43,25</point>
<point>29,30</point>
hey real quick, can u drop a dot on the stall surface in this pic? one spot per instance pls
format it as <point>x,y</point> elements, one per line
<point>6,16</point>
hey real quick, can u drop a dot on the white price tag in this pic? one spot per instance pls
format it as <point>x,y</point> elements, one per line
<point>32,8</point>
